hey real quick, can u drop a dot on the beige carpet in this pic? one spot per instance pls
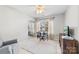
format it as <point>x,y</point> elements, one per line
<point>34,46</point>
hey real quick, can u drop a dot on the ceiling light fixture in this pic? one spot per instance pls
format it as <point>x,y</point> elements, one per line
<point>39,9</point>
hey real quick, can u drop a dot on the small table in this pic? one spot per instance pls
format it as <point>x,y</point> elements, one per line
<point>42,35</point>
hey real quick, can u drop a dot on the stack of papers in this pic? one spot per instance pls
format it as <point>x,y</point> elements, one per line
<point>67,37</point>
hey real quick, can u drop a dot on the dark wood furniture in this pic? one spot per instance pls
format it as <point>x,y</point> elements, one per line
<point>68,46</point>
<point>42,35</point>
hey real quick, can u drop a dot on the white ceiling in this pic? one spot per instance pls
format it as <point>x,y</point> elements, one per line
<point>49,9</point>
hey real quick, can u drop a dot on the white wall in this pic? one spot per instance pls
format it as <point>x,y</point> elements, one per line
<point>59,24</point>
<point>13,24</point>
<point>71,16</point>
<point>72,19</point>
